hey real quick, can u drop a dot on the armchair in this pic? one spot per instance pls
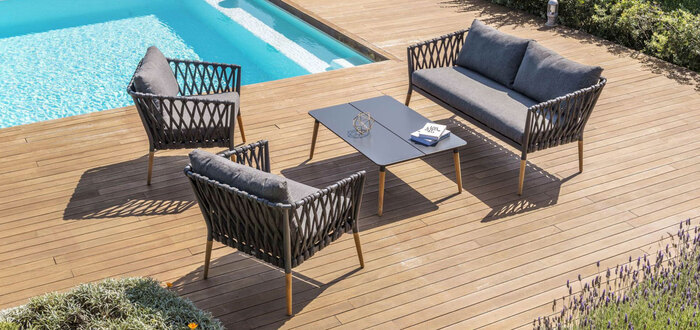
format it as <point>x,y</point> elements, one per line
<point>283,233</point>
<point>186,104</point>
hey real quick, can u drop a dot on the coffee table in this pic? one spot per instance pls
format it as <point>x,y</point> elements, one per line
<point>388,142</point>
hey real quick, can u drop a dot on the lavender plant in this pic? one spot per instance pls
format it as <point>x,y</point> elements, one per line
<point>649,292</point>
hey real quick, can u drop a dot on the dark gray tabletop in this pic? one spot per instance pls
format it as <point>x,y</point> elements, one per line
<point>389,141</point>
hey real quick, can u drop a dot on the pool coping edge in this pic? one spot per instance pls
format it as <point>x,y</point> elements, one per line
<point>366,48</point>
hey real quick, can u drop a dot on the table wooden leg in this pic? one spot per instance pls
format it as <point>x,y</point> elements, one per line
<point>313,139</point>
<point>458,170</point>
<point>382,177</point>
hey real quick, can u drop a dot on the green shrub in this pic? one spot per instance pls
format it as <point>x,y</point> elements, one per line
<point>669,29</point>
<point>129,303</point>
<point>8,326</point>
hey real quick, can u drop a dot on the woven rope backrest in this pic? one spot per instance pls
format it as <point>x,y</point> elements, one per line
<point>256,155</point>
<point>197,78</point>
<point>563,119</point>
<point>436,53</point>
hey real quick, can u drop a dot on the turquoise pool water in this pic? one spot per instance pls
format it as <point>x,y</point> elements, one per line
<point>60,58</point>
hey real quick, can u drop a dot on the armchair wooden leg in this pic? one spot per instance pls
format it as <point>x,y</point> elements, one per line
<point>288,279</point>
<point>240,126</point>
<point>207,258</point>
<point>313,139</point>
<point>382,178</point>
<point>580,156</point>
<point>408,96</point>
<point>150,167</point>
<point>458,170</point>
<point>359,249</point>
<point>521,179</point>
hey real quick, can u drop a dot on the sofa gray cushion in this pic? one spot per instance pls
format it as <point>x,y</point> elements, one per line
<point>492,53</point>
<point>253,181</point>
<point>154,76</point>
<point>545,75</point>
<point>485,100</point>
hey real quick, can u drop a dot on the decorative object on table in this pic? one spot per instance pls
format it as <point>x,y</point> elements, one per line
<point>363,122</point>
<point>552,13</point>
<point>430,134</point>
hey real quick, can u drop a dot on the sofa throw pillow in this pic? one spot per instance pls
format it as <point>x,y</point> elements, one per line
<point>492,53</point>
<point>154,76</point>
<point>545,75</point>
<point>253,181</point>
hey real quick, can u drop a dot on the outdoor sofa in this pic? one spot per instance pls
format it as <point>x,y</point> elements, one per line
<point>517,90</point>
<point>277,220</point>
<point>186,104</point>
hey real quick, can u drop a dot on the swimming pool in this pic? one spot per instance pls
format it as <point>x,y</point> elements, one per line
<point>61,58</point>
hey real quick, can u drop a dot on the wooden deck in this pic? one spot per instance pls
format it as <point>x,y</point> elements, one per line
<point>75,208</point>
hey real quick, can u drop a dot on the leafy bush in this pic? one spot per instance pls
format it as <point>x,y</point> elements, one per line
<point>651,292</point>
<point>669,29</point>
<point>129,303</point>
<point>8,326</point>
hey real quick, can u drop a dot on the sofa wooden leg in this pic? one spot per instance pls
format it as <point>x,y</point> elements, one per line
<point>521,178</point>
<point>288,279</point>
<point>408,96</point>
<point>150,167</point>
<point>207,258</point>
<point>359,249</point>
<point>580,156</point>
<point>240,126</point>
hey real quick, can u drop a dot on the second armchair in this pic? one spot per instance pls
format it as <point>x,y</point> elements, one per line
<point>186,104</point>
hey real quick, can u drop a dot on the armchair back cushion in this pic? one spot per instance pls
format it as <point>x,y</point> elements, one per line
<point>545,75</point>
<point>155,76</point>
<point>253,181</point>
<point>492,53</point>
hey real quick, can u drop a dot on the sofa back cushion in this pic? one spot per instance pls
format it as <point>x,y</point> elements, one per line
<point>253,181</point>
<point>492,53</point>
<point>154,76</point>
<point>545,75</point>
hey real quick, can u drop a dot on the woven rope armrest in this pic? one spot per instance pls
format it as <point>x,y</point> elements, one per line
<point>435,53</point>
<point>323,217</point>
<point>560,120</point>
<point>196,77</point>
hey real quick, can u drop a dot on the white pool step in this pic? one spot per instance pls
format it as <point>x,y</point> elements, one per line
<point>289,48</point>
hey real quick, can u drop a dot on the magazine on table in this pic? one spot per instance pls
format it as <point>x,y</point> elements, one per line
<point>430,134</point>
<point>432,131</point>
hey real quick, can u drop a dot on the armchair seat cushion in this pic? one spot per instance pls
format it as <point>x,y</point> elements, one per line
<point>483,99</point>
<point>298,190</point>
<point>492,53</point>
<point>155,76</point>
<point>545,75</point>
